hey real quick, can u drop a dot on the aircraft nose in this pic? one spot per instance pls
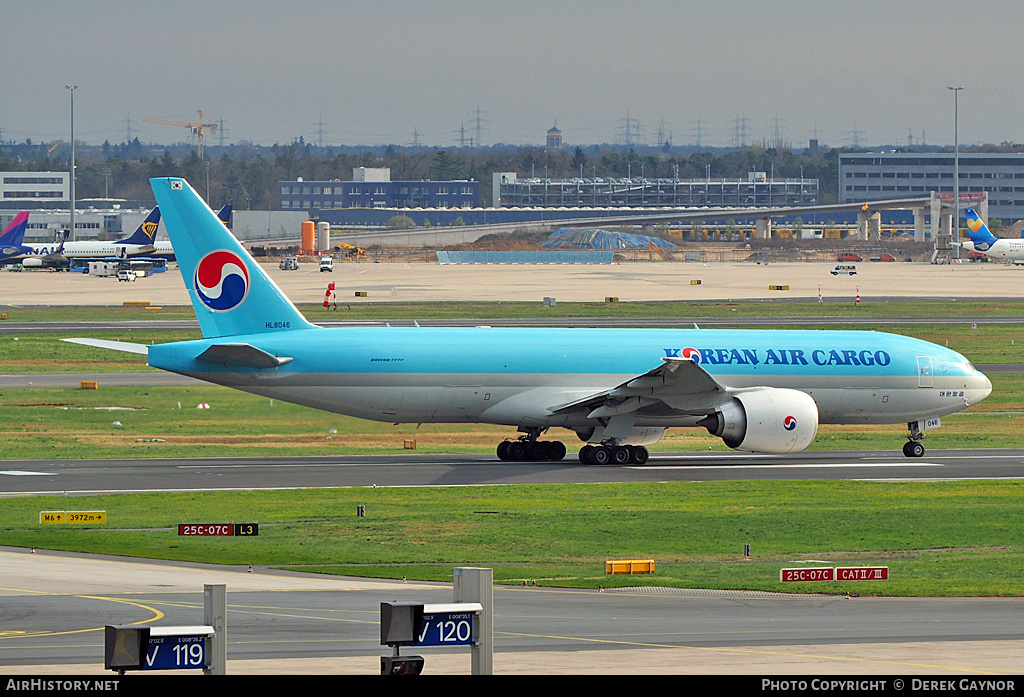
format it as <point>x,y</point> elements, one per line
<point>980,387</point>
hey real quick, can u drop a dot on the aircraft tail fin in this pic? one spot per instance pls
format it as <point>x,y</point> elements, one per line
<point>230,293</point>
<point>145,234</point>
<point>14,234</point>
<point>981,236</point>
<point>225,214</point>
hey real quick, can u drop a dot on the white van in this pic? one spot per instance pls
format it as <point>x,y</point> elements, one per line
<point>844,268</point>
<point>327,264</point>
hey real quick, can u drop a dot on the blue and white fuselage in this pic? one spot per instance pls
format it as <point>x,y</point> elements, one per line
<point>521,377</point>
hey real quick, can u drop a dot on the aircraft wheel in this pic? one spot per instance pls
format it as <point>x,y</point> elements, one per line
<point>640,455</point>
<point>600,455</point>
<point>556,450</point>
<point>517,451</point>
<point>585,452</point>
<point>620,454</point>
<point>503,450</point>
<point>537,451</point>
<point>913,448</point>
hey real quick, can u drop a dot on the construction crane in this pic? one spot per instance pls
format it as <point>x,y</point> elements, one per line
<point>198,129</point>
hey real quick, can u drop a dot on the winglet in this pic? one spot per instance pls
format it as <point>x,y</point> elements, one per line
<point>230,292</point>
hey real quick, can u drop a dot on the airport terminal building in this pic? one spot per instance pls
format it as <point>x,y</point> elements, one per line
<point>898,175</point>
<point>373,188</point>
<point>758,189</point>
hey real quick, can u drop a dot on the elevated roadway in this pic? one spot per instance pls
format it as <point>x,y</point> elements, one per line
<point>470,233</point>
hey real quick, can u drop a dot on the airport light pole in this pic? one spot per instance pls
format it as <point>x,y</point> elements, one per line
<point>956,170</point>
<point>72,88</point>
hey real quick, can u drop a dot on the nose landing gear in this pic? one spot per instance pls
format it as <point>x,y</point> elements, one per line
<point>914,447</point>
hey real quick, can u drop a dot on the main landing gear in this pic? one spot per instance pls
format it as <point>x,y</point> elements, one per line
<point>914,447</point>
<point>613,454</point>
<point>528,449</point>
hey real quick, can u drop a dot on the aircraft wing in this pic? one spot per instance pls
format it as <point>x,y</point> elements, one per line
<point>680,384</point>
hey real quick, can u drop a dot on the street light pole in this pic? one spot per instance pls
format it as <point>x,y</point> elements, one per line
<point>72,88</point>
<point>956,170</point>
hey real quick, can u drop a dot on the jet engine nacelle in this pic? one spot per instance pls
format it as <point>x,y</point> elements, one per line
<point>637,436</point>
<point>766,420</point>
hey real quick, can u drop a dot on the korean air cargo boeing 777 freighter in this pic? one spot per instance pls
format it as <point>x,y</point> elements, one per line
<point>762,391</point>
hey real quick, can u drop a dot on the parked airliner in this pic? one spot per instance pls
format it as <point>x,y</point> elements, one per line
<point>762,391</point>
<point>141,243</point>
<point>13,237</point>
<point>982,240</point>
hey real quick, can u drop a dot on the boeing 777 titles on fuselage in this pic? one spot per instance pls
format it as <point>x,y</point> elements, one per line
<point>618,390</point>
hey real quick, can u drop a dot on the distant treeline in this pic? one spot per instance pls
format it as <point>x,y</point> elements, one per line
<point>247,176</point>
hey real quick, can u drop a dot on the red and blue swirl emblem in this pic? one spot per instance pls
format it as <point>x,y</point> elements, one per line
<point>789,423</point>
<point>692,354</point>
<point>222,280</point>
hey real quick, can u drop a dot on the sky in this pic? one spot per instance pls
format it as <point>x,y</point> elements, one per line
<point>860,73</point>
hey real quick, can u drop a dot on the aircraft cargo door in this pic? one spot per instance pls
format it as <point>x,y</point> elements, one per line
<point>924,371</point>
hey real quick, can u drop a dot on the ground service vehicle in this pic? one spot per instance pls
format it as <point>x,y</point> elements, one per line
<point>844,268</point>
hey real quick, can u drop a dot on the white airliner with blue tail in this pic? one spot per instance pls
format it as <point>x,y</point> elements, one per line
<point>982,240</point>
<point>761,391</point>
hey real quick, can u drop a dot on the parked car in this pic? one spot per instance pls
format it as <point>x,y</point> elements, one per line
<point>884,256</point>
<point>844,268</point>
<point>849,256</point>
<point>125,275</point>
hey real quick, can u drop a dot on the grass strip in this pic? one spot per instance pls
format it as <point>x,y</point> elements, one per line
<point>961,538</point>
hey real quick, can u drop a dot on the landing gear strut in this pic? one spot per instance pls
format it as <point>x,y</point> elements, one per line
<point>528,449</point>
<point>914,447</point>
<point>604,454</point>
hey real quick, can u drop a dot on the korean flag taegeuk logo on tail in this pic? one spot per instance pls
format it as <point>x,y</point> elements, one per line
<point>222,280</point>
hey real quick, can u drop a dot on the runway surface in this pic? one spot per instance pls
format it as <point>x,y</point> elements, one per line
<point>49,477</point>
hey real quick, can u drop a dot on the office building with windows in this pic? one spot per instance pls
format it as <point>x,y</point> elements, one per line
<point>899,175</point>
<point>33,189</point>
<point>373,188</point>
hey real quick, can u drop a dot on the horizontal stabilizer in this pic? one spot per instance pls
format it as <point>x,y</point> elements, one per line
<point>241,355</point>
<point>124,346</point>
